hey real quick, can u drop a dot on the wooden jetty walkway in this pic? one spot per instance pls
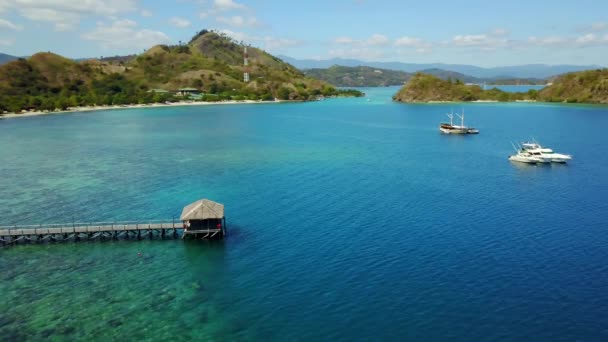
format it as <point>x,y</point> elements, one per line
<point>202,219</point>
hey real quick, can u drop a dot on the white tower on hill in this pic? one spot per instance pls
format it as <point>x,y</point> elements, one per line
<point>246,64</point>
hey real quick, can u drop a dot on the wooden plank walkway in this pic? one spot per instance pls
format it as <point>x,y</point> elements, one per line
<point>95,230</point>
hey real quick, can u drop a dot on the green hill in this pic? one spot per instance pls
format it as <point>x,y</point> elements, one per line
<point>589,86</point>
<point>210,62</point>
<point>361,76</point>
<point>429,88</point>
<point>584,87</point>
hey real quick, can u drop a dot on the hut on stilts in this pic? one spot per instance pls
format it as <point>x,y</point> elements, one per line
<point>204,219</point>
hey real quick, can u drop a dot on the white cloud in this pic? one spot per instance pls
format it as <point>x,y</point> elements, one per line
<point>145,13</point>
<point>5,24</point>
<point>374,40</point>
<point>362,53</point>
<point>344,40</point>
<point>228,5</point>
<point>126,35</point>
<point>548,41</point>
<point>424,50</point>
<point>377,39</point>
<point>265,42</point>
<point>470,40</point>
<point>273,43</point>
<point>408,41</point>
<point>585,40</point>
<point>239,36</point>
<point>222,11</point>
<point>500,32</point>
<point>485,41</point>
<point>6,41</point>
<point>238,21</point>
<point>65,14</point>
<point>592,39</point>
<point>179,22</point>
<point>419,45</point>
<point>63,20</point>
<point>222,6</point>
<point>599,26</point>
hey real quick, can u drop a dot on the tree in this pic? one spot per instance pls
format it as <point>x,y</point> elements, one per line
<point>283,93</point>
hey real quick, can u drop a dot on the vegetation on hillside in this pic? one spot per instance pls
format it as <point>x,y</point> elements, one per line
<point>583,87</point>
<point>428,88</point>
<point>447,75</point>
<point>589,86</point>
<point>211,62</point>
<point>361,76</point>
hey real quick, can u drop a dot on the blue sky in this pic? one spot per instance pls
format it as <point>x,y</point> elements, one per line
<point>484,33</point>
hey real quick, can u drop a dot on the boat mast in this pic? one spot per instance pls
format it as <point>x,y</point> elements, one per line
<point>451,116</point>
<point>461,118</point>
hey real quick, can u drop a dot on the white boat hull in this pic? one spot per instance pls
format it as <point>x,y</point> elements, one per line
<point>526,160</point>
<point>453,131</point>
<point>546,153</point>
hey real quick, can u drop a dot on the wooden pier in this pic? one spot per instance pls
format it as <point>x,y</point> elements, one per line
<point>202,219</point>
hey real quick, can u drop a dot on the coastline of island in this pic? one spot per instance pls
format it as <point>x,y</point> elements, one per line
<point>583,87</point>
<point>82,109</point>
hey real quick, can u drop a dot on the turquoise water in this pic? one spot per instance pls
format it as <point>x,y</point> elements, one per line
<point>349,220</point>
<point>516,88</point>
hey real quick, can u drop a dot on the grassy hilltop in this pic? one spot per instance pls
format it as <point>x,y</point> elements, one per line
<point>211,62</point>
<point>583,87</point>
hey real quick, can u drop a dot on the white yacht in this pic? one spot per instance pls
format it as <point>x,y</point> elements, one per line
<point>525,157</point>
<point>536,149</point>
<point>537,154</point>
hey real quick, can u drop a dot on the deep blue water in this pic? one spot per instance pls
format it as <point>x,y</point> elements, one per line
<point>349,220</point>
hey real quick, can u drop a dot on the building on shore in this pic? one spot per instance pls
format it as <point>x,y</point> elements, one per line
<point>192,93</point>
<point>158,91</point>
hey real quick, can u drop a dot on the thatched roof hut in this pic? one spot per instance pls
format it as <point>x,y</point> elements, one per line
<point>203,209</point>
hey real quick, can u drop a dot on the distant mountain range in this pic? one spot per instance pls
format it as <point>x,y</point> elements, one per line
<point>4,58</point>
<point>538,71</point>
<point>364,76</point>
<point>361,76</point>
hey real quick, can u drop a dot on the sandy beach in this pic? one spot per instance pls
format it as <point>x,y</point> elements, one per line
<point>152,105</point>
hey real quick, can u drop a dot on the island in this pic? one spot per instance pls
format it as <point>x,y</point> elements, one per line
<point>209,68</point>
<point>360,76</point>
<point>590,86</point>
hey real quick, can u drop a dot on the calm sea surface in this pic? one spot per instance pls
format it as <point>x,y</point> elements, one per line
<point>349,220</point>
<point>515,88</point>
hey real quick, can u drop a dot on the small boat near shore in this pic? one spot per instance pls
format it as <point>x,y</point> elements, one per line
<point>450,128</point>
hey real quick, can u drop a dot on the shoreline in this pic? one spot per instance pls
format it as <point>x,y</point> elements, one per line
<point>115,107</point>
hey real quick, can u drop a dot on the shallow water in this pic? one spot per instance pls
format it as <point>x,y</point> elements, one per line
<point>516,88</point>
<point>349,220</point>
